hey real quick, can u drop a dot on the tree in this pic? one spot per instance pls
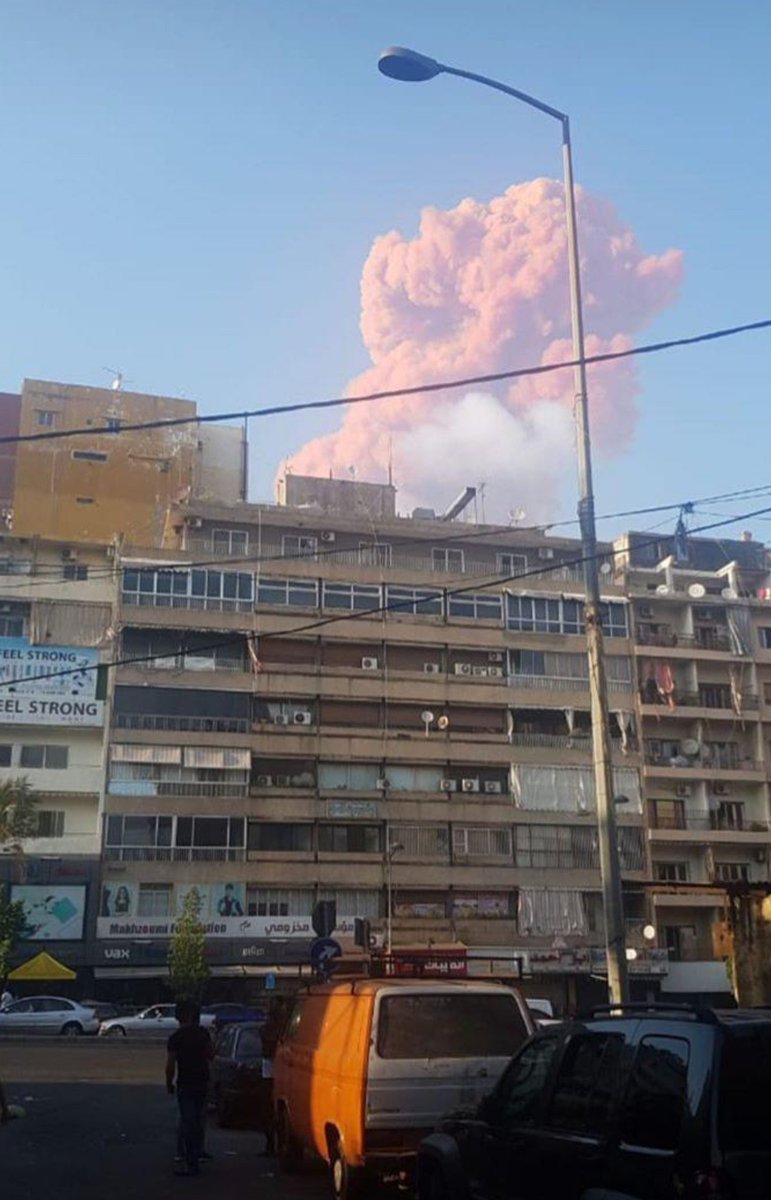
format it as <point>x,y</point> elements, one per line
<point>12,922</point>
<point>188,968</point>
<point>18,814</point>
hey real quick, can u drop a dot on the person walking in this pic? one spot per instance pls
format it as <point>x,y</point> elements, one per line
<point>270,1034</point>
<point>189,1052</point>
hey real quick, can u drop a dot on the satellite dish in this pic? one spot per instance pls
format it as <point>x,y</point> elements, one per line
<point>427,717</point>
<point>662,589</point>
<point>690,747</point>
<point>697,590</point>
<point>605,568</point>
<point>443,722</point>
<point>728,593</point>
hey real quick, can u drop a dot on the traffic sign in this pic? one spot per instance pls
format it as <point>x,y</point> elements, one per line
<point>270,982</point>
<point>324,951</point>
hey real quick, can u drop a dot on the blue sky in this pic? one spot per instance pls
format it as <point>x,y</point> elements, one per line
<point>191,188</point>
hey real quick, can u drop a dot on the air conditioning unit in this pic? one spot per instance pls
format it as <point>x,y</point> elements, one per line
<point>495,656</point>
<point>721,789</point>
<point>492,787</point>
<point>448,785</point>
<point>327,535</point>
<point>281,719</point>
<point>431,668</point>
<point>369,664</point>
<point>382,784</point>
<point>469,785</point>
<point>682,790</point>
<point>195,522</point>
<point>645,611</point>
<point>264,781</point>
<point>462,668</point>
<point>495,672</point>
<point>67,552</point>
<point>301,718</point>
<point>479,671</point>
<point>283,781</point>
<point>545,553</point>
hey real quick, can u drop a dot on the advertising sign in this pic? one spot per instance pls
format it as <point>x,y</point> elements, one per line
<point>48,685</point>
<point>228,900</point>
<point>119,899</point>
<point>253,928</point>
<point>52,913</point>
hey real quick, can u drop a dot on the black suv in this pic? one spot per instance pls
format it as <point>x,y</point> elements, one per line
<point>640,1102</point>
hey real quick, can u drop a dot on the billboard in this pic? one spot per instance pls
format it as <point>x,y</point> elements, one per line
<point>52,913</point>
<point>271,928</point>
<point>119,899</point>
<point>48,685</point>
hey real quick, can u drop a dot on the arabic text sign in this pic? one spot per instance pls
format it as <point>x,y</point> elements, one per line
<point>278,928</point>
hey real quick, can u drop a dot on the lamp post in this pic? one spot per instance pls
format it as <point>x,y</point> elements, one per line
<point>393,849</point>
<point>411,67</point>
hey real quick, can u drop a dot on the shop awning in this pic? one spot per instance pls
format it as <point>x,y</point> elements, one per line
<point>42,967</point>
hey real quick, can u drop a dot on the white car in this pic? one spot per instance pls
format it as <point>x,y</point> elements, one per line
<point>157,1021</point>
<point>48,1014</point>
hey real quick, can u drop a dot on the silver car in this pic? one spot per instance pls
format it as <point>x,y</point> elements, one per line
<point>48,1014</point>
<point>157,1021</point>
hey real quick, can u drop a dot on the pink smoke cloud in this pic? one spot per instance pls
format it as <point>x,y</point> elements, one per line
<point>484,288</point>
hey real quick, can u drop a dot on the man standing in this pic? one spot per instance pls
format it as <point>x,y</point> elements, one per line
<point>6,998</point>
<point>189,1053</point>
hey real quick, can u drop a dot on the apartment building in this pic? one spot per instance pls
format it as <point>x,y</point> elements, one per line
<point>338,702</point>
<point>56,631</point>
<point>702,639</point>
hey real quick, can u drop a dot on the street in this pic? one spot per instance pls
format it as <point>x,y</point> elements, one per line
<point>99,1124</point>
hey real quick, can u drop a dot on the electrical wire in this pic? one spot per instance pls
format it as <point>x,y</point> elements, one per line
<point>419,389</point>
<point>45,574</point>
<point>360,614</point>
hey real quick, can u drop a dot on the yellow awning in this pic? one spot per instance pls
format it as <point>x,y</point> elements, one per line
<point>42,966</point>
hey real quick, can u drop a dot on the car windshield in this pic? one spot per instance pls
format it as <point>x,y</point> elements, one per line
<point>450,1025</point>
<point>744,1090</point>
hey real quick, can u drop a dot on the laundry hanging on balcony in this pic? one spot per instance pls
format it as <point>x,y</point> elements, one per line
<point>665,684</point>
<point>739,630</point>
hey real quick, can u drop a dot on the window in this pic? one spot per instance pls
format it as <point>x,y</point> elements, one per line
<point>154,900</point>
<point>5,755</point>
<point>449,1026</point>
<point>351,839</point>
<point>374,554</point>
<point>470,906</point>
<point>51,758</point>
<point>358,597</point>
<point>299,546</point>
<point>46,417</point>
<point>89,456</point>
<point>50,823</point>
<point>447,560</point>
<point>296,593</point>
<point>421,841</point>
<point>413,601</point>
<point>75,571</point>
<point>475,606</point>
<point>534,614</point>
<point>729,815</point>
<point>221,591</point>
<point>732,872</point>
<point>13,620</point>
<point>138,831</point>
<point>764,636</point>
<point>518,1097</point>
<point>84,499</point>
<point>484,841</point>
<point>355,902</point>
<point>112,424</point>
<point>279,902</point>
<point>249,1044</point>
<point>272,837</point>
<point>652,1109</point>
<point>510,564</point>
<point>585,1085</point>
<point>671,872</point>
<point>230,541</point>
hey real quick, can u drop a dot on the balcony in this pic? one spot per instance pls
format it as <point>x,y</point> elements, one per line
<point>179,724</point>
<point>713,638</point>
<point>150,787</point>
<point>545,683</point>
<point>708,759</point>
<point>174,854</point>
<point>717,699</point>
<point>714,822</point>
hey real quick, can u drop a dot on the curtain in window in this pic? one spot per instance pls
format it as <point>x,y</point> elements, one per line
<point>543,912</point>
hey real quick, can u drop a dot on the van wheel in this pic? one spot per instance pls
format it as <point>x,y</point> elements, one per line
<point>347,1181</point>
<point>288,1150</point>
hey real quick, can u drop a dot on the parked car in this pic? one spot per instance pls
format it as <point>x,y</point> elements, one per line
<point>220,1015</point>
<point>48,1014</point>
<point>364,1069</point>
<point>157,1021</point>
<point>637,1103</point>
<point>104,1011</point>
<point>238,1090</point>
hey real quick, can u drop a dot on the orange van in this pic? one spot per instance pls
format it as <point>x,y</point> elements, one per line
<point>367,1068</point>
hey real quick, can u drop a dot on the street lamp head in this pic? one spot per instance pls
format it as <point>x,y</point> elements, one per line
<point>407,65</point>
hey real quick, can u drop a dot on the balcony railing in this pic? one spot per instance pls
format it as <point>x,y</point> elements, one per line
<point>181,724</point>
<point>156,660</point>
<point>546,683</point>
<point>715,762</point>
<point>716,701</point>
<point>704,639</point>
<point>712,822</point>
<point>175,854</point>
<point>563,741</point>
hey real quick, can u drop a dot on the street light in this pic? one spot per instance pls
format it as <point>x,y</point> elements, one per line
<point>410,67</point>
<point>393,849</point>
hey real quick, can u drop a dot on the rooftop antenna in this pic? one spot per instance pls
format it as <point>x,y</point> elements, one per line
<point>390,462</point>
<point>481,489</point>
<point>117,379</point>
<point>681,533</point>
<point>352,472</point>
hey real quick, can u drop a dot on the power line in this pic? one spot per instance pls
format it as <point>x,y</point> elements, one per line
<point>420,389</point>
<point>379,610</point>
<point>45,574</point>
